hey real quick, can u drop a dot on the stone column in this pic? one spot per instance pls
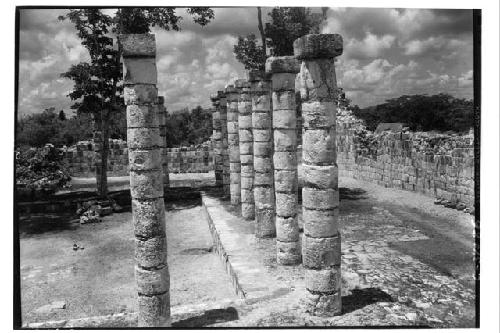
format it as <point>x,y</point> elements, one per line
<point>146,184</point>
<point>283,71</point>
<point>162,118</point>
<point>317,84</point>
<point>233,144</point>
<point>263,186</point>
<point>217,139</point>
<point>224,142</point>
<point>246,149</point>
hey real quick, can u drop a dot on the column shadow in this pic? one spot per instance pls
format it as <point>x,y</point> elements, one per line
<point>209,317</point>
<point>360,298</point>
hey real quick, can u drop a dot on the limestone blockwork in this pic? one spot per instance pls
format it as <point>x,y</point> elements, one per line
<point>233,144</point>
<point>224,142</point>
<point>146,183</point>
<point>283,71</point>
<point>317,85</point>
<point>263,186</point>
<point>246,149</point>
<point>217,139</point>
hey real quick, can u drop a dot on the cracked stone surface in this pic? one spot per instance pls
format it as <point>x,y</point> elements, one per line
<point>398,269</point>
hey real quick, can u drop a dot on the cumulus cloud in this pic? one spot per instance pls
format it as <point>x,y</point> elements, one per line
<point>387,52</point>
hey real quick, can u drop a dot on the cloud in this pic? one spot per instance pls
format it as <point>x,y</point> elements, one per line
<point>387,52</point>
<point>370,47</point>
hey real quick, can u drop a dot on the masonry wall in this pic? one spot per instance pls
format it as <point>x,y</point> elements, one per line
<point>438,165</point>
<point>79,159</point>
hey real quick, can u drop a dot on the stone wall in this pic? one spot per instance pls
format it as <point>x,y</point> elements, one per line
<point>79,159</point>
<point>438,165</point>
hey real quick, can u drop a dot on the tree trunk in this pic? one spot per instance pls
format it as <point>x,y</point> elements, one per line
<point>101,146</point>
<point>103,189</point>
<point>261,29</point>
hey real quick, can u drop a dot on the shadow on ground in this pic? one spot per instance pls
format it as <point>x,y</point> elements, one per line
<point>42,223</point>
<point>360,298</point>
<point>208,318</point>
<point>352,193</point>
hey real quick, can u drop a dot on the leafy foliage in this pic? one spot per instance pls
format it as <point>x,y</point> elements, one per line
<point>38,129</point>
<point>40,171</point>
<point>441,112</point>
<point>98,83</point>
<point>287,24</point>
<point>140,20</point>
<point>251,55</point>
<point>189,127</point>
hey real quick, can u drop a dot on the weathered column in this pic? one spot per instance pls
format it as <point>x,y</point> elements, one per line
<point>246,150</point>
<point>317,84</point>
<point>146,184</point>
<point>263,186</point>
<point>283,71</point>
<point>224,142</point>
<point>217,139</point>
<point>233,144</point>
<point>162,119</point>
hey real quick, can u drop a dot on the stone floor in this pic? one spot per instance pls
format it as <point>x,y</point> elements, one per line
<point>405,262</point>
<point>401,265</point>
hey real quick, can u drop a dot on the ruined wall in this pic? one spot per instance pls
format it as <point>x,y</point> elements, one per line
<point>79,159</point>
<point>438,165</point>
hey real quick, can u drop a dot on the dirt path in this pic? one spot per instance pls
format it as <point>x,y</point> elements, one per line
<point>99,279</point>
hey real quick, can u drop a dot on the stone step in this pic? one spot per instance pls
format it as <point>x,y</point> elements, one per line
<point>236,244</point>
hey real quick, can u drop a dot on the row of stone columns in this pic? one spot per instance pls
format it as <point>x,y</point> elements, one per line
<point>272,133</point>
<point>316,83</point>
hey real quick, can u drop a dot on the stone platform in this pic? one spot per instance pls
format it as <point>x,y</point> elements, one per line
<point>239,250</point>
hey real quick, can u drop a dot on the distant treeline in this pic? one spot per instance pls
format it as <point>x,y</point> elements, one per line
<point>440,112</point>
<point>184,127</point>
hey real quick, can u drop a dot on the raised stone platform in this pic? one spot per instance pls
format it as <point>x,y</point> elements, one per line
<point>236,244</point>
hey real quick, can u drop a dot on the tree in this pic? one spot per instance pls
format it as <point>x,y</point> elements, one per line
<point>441,112</point>
<point>261,30</point>
<point>249,53</point>
<point>186,127</point>
<point>62,115</point>
<point>287,24</point>
<point>97,88</point>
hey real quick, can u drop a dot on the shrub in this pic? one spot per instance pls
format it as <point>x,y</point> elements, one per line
<point>40,172</point>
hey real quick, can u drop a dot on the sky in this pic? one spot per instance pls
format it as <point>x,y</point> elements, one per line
<point>387,53</point>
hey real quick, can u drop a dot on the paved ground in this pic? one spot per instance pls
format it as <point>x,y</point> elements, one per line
<point>406,262</point>
<point>99,279</point>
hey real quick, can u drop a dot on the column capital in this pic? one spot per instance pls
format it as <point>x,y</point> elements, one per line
<point>316,46</point>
